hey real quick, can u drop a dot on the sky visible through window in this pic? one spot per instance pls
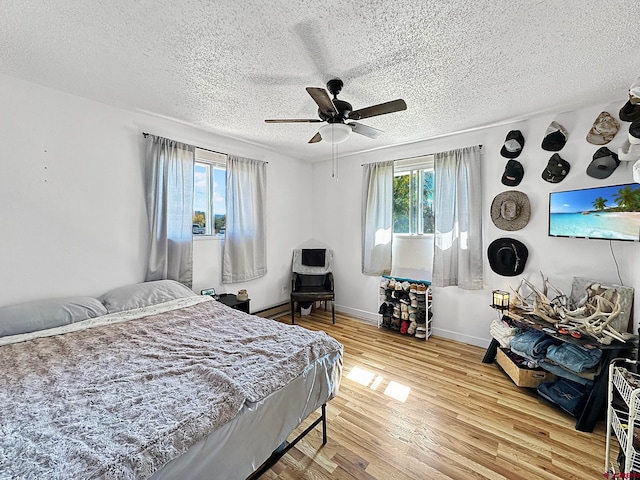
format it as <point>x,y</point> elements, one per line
<point>201,185</point>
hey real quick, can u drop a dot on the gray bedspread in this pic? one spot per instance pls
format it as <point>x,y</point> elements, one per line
<point>119,401</point>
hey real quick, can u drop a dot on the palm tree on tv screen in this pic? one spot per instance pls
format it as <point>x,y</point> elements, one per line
<point>600,203</point>
<point>627,198</point>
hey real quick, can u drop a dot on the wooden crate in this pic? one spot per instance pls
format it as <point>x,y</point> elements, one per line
<point>522,377</point>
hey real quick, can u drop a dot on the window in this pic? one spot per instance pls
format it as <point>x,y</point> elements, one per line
<point>413,196</point>
<point>209,196</point>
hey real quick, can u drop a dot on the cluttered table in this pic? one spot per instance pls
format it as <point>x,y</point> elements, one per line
<point>595,403</point>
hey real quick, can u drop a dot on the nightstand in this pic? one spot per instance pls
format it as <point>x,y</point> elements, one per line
<point>230,300</point>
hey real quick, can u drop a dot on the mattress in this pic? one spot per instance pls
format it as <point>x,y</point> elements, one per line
<point>174,390</point>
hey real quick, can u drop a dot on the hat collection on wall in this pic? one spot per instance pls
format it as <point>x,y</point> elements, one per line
<point>510,210</point>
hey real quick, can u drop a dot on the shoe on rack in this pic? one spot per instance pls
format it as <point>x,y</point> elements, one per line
<point>413,288</point>
<point>421,331</point>
<point>404,327</point>
<point>412,328</point>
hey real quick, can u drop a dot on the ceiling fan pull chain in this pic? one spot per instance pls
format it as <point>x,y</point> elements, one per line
<point>334,161</point>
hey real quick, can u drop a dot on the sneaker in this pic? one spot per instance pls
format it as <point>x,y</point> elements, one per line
<point>383,309</point>
<point>412,328</point>
<point>422,289</point>
<point>404,315</point>
<point>404,327</point>
<point>421,331</point>
<point>413,288</point>
<point>384,283</point>
<point>399,286</point>
<point>406,286</point>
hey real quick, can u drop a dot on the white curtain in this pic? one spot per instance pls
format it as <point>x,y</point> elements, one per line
<point>377,218</point>
<point>169,198</point>
<point>458,256</point>
<point>245,245</point>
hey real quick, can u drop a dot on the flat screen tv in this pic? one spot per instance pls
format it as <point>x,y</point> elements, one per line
<point>608,213</point>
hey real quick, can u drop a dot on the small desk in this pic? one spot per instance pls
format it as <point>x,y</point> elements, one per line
<point>596,402</point>
<point>230,300</point>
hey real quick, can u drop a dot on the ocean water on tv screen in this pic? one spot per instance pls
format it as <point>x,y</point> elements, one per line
<point>624,226</point>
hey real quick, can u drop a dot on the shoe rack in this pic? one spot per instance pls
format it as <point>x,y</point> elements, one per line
<point>405,306</point>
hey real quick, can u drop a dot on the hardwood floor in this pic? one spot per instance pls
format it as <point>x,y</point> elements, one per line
<point>461,419</point>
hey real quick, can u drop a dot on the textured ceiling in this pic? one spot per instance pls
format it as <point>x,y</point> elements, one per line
<point>226,65</point>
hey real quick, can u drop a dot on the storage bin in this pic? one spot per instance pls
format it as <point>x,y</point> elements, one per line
<point>522,377</point>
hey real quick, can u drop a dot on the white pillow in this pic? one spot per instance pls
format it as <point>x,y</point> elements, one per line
<point>43,314</point>
<point>143,295</point>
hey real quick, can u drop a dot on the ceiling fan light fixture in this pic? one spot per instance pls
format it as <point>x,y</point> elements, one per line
<point>335,132</point>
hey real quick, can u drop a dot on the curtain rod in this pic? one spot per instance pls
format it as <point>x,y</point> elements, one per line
<point>146,134</point>
<point>409,158</point>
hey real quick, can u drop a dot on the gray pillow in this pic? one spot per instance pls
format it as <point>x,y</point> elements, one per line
<point>143,295</point>
<point>42,314</point>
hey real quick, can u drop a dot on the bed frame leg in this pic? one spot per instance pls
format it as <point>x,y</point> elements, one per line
<point>324,423</point>
<point>278,454</point>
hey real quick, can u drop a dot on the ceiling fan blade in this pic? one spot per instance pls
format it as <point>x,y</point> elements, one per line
<point>380,109</point>
<point>322,98</point>
<point>316,138</point>
<point>293,120</point>
<point>365,130</point>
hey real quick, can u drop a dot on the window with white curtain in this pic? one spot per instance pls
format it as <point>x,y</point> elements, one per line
<point>413,196</point>
<point>209,198</point>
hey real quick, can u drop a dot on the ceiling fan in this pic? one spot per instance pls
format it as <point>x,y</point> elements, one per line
<point>336,112</point>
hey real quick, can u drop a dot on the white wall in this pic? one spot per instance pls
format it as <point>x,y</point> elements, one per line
<point>72,211</point>
<point>466,315</point>
<point>74,221</point>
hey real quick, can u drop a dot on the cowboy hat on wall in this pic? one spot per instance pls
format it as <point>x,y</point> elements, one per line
<point>510,210</point>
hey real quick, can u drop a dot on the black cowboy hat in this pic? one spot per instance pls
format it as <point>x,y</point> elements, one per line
<point>507,256</point>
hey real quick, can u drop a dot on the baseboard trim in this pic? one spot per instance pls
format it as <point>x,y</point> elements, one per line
<point>468,339</point>
<point>367,317</point>
<point>274,312</point>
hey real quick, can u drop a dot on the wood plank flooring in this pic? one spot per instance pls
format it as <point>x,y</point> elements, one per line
<point>461,419</point>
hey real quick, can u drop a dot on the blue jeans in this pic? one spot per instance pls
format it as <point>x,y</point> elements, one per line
<point>533,343</point>
<point>565,393</point>
<point>573,357</point>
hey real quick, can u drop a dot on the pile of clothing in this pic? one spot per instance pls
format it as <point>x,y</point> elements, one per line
<point>575,366</point>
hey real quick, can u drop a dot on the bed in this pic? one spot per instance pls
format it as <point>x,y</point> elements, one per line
<point>153,381</point>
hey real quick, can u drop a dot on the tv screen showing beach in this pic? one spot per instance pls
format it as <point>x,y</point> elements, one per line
<point>609,213</point>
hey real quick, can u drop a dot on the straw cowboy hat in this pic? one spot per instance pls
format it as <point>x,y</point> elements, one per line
<point>510,210</point>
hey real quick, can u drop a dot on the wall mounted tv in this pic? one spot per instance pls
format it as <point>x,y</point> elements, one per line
<point>608,213</point>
